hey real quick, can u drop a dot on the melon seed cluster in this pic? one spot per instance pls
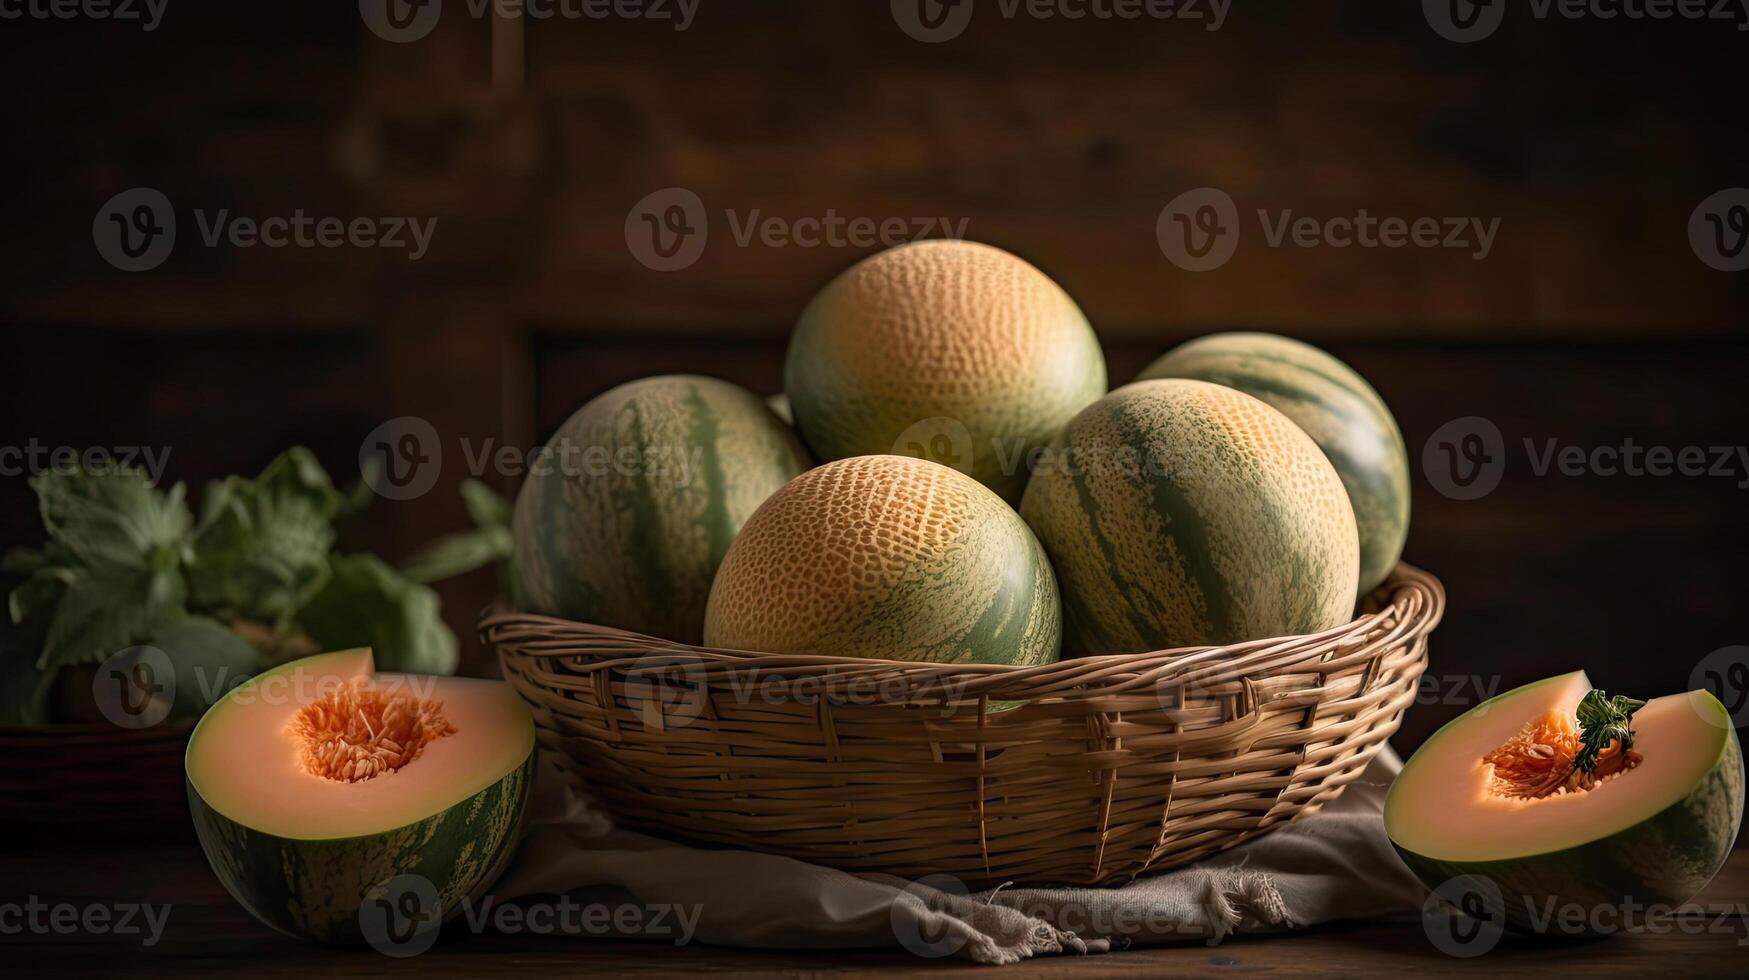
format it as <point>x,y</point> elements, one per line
<point>359,732</point>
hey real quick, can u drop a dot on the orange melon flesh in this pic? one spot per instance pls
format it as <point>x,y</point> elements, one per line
<point>247,761</point>
<point>1445,806</point>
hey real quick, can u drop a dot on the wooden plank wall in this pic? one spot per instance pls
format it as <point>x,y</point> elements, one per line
<point>1590,321</point>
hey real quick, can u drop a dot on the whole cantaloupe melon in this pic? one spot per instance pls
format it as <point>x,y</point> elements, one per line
<point>626,515</point>
<point>1182,513</point>
<point>889,557</point>
<point>1336,407</point>
<point>949,350</point>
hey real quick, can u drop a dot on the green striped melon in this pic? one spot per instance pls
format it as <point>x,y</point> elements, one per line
<point>315,784</point>
<point>624,521</point>
<point>1336,407</point>
<point>948,350</point>
<point>1182,513</point>
<point>889,557</point>
<point>1578,859</point>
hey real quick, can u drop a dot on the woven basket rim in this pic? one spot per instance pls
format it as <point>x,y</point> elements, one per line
<point>1410,603</point>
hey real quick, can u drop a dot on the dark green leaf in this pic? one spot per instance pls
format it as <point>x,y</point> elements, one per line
<point>259,555</point>
<point>487,508</point>
<point>458,554</point>
<point>24,689</point>
<point>110,518</point>
<point>1603,719</point>
<point>366,602</point>
<point>209,659</point>
<point>39,593</point>
<point>107,610</point>
<point>297,473</point>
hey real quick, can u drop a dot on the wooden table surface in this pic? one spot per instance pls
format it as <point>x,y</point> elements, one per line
<point>207,934</point>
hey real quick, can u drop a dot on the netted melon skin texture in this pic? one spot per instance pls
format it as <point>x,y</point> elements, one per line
<point>887,557</point>
<point>1182,513</point>
<point>942,330</point>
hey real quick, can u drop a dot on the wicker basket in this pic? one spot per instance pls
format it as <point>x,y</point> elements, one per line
<point>1087,771</point>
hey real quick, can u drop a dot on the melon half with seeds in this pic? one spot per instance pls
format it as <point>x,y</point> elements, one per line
<point>1570,803</point>
<point>316,783</point>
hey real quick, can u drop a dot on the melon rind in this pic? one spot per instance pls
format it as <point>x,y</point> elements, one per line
<point>635,547</point>
<point>1336,407</point>
<point>314,889</point>
<point>1664,860</point>
<point>1183,513</point>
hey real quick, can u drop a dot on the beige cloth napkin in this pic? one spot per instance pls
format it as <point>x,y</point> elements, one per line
<point>1337,864</point>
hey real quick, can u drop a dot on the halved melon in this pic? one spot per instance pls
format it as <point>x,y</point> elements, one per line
<point>316,782</point>
<point>1560,815</point>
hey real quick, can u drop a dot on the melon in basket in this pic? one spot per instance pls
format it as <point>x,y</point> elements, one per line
<point>1336,407</point>
<point>953,336</point>
<point>1183,513</point>
<point>317,784</point>
<point>1564,810</point>
<point>889,557</point>
<point>625,517</point>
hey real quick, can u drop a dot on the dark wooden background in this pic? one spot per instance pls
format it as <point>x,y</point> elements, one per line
<point>1592,321</point>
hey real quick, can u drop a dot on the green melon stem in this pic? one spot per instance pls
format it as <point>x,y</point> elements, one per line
<point>1603,719</point>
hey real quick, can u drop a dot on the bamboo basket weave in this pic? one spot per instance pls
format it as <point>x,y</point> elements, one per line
<point>1086,771</point>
